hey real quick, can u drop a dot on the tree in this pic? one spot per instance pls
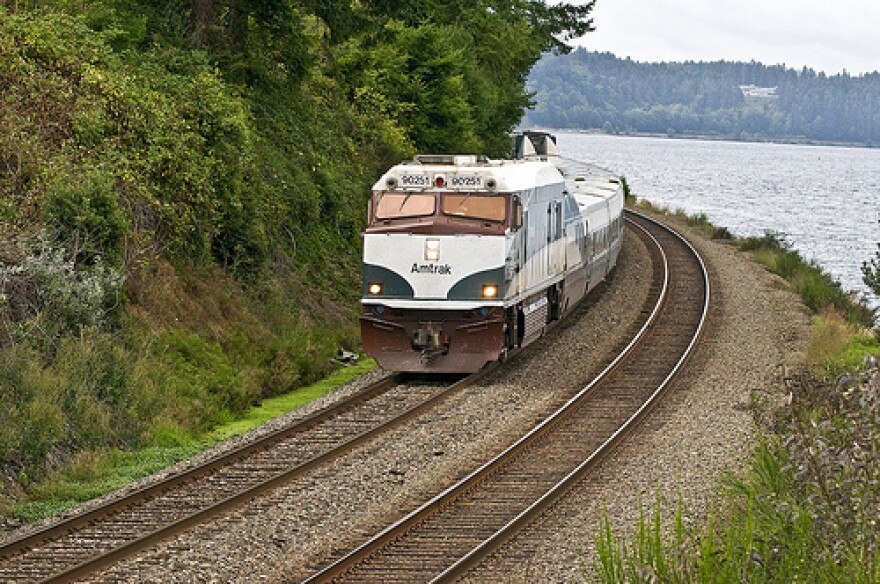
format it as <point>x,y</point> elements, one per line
<point>451,74</point>
<point>871,269</point>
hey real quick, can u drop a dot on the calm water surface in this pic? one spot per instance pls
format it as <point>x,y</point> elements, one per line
<point>825,200</point>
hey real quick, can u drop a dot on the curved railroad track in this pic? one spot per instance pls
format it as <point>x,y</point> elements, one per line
<point>457,529</point>
<point>91,541</point>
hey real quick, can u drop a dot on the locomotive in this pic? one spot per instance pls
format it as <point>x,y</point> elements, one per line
<point>467,258</point>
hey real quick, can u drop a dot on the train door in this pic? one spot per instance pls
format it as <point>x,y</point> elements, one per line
<point>586,252</point>
<point>548,253</point>
<point>555,252</point>
<point>519,247</point>
<point>525,263</point>
<point>558,238</point>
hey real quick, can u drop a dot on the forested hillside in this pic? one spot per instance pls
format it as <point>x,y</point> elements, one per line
<point>589,90</point>
<point>182,189</point>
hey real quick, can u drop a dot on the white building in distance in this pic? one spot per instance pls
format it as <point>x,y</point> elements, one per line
<point>755,91</point>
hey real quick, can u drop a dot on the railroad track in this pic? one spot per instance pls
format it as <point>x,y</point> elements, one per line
<point>91,541</point>
<point>453,532</point>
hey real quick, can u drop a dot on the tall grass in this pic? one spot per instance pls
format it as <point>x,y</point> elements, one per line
<point>806,507</point>
<point>192,355</point>
<point>817,289</point>
<point>768,530</point>
<point>103,390</point>
<point>650,556</point>
<point>699,220</point>
<point>95,472</point>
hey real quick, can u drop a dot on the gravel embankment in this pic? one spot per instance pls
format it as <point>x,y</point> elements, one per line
<point>286,535</point>
<point>756,330</point>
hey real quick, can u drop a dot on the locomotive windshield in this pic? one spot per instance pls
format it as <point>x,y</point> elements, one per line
<point>474,206</point>
<point>471,207</point>
<point>397,205</point>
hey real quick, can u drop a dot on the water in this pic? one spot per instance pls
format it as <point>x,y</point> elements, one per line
<point>825,200</point>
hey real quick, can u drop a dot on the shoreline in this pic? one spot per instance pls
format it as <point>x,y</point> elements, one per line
<point>714,138</point>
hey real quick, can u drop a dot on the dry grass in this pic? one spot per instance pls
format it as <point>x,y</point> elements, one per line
<point>206,300</point>
<point>829,337</point>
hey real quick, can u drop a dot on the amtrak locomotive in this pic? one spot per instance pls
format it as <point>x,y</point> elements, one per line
<point>466,258</point>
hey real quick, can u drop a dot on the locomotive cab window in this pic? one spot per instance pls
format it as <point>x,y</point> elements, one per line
<point>398,205</point>
<point>473,206</point>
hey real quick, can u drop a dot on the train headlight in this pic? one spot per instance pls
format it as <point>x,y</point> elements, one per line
<point>432,250</point>
<point>490,291</point>
<point>375,288</point>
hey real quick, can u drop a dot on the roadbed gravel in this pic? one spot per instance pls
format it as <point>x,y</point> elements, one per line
<point>756,333</point>
<point>756,336</point>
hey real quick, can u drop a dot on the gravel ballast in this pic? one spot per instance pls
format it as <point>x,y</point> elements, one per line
<point>756,334</point>
<point>296,529</point>
<point>756,330</point>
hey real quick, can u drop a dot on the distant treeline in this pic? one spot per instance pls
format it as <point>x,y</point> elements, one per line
<point>589,90</point>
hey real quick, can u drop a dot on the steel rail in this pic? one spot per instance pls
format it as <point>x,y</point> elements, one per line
<point>105,559</point>
<point>49,532</point>
<point>189,521</point>
<point>528,515</point>
<point>363,552</point>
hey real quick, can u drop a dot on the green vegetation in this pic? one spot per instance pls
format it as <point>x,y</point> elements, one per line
<point>805,508</point>
<point>777,526</point>
<point>628,197</point>
<point>96,472</point>
<point>276,406</point>
<point>699,221</point>
<point>589,90</point>
<point>871,269</point>
<point>815,287</point>
<point>182,191</point>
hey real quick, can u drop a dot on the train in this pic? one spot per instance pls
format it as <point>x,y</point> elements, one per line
<point>467,258</point>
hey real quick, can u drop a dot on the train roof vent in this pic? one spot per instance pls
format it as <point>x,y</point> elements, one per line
<point>529,143</point>
<point>447,159</point>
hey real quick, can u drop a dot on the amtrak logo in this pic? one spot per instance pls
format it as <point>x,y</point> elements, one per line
<point>444,270</point>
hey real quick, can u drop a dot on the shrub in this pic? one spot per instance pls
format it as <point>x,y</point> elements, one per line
<point>84,213</point>
<point>701,222</point>
<point>28,405</point>
<point>833,434</point>
<point>628,196</point>
<point>767,532</point>
<point>205,387</point>
<point>46,294</point>
<point>871,271</point>
<point>91,395</point>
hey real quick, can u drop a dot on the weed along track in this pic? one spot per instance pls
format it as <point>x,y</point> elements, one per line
<point>97,539</point>
<point>451,533</point>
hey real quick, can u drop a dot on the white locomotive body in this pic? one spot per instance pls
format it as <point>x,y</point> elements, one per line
<point>466,258</point>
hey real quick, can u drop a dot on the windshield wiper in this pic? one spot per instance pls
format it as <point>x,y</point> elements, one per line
<point>462,202</point>
<point>403,202</point>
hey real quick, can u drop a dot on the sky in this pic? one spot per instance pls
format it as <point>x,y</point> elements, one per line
<point>825,35</point>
